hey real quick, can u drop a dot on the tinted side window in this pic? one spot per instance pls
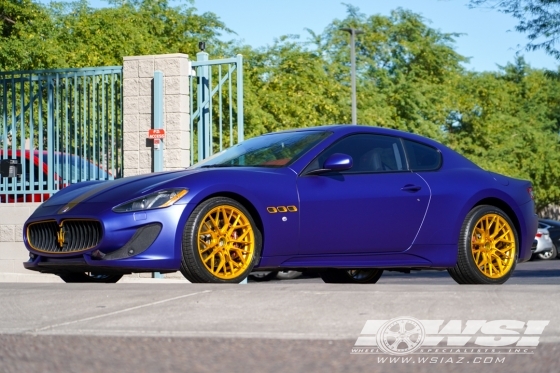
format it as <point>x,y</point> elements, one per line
<point>370,153</point>
<point>422,157</point>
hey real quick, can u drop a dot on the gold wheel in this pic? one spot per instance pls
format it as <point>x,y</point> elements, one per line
<point>226,242</point>
<point>493,246</point>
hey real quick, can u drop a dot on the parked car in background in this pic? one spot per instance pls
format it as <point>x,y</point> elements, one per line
<point>553,228</point>
<point>33,183</point>
<point>542,245</point>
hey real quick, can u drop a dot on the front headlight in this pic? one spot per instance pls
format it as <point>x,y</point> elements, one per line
<point>160,199</point>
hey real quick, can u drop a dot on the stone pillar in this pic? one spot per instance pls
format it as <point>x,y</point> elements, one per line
<point>138,74</point>
<point>12,250</point>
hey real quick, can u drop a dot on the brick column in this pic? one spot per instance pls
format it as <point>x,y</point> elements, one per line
<point>138,74</point>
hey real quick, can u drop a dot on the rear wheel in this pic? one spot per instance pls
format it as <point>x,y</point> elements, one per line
<point>221,242</point>
<point>351,276</point>
<point>91,277</point>
<point>551,254</point>
<point>488,247</point>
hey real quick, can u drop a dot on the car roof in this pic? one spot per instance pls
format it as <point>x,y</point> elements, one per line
<point>349,129</point>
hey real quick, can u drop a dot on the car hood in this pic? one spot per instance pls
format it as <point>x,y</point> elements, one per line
<point>119,190</point>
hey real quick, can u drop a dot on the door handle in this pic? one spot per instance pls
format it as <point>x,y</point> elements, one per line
<point>411,188</point>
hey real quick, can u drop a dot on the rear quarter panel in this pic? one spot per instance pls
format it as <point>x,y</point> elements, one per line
<point>455,192</point>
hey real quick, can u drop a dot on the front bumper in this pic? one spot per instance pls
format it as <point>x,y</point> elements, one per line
<point>149,241</point>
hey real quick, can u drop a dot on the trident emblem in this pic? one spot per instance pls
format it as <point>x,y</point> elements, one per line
<point>60,237</point>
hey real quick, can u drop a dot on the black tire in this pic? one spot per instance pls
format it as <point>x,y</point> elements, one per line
<point>263,276</point>
<point>225,251</point>
<point>547,255</point>
<point>466,271</point>
<point>89,277</point>
<point>351,276</point>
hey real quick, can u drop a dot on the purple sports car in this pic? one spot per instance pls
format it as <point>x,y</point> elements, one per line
<point>345,201</point>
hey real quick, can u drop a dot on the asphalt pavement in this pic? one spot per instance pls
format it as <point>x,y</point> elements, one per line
<point>300,325</point>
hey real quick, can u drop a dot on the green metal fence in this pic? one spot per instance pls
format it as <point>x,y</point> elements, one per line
<point>59,127</point>
<point>216,104</point>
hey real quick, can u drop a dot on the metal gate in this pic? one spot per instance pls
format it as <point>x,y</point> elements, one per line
<point>58,127</point>
<point>216,105</point>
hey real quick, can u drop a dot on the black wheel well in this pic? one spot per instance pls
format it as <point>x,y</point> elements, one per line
<point>247,204</point>
<point>496,202</point>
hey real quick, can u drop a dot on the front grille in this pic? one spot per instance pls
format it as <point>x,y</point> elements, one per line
<point>70,236</point>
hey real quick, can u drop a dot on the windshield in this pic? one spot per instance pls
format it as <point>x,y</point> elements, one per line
<point>274,150</point>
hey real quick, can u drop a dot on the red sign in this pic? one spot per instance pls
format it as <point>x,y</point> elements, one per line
<point>156,134</point>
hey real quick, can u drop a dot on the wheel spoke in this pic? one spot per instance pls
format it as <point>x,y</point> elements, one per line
<point>242,260</point>
<point>483,261</point>
<point>242,242</point>
<point>500,263</point>
<point>202,251</point>
<point>235,222</point>
<point>245,233</point>
<point>221,264</point>
<point>238,227</point>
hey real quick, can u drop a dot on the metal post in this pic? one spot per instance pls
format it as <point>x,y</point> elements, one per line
<point>203,93</point>
<point>240,118</point>
<point>158,118</point>
<point>353,32</point>
<point>158,124</point>
<point>50,136</point>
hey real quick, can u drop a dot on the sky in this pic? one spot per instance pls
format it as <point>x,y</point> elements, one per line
<point>489,38</point>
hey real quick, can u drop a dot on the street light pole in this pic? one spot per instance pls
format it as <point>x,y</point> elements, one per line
<point>353,32</point>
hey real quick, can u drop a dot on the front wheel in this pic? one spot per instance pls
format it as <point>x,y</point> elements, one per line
<point>351,276</point>
<point>263,276</point>
<point>288,275</point>
<point>221,242</point>
<point>91,277</point>
<point>487,248</point>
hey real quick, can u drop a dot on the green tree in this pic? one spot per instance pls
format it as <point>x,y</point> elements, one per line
<point>289,86</point>
<point>72,34</point>
<point>26,36</point>
<point>506,122</point>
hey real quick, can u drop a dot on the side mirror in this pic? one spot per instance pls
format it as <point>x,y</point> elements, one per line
<point>335,162</point>
<point>338,162</point>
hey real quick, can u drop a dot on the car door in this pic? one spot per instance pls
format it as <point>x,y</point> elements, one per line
<point>376,206</point>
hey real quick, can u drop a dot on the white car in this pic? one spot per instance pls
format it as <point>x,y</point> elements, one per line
<point>542,245</point>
